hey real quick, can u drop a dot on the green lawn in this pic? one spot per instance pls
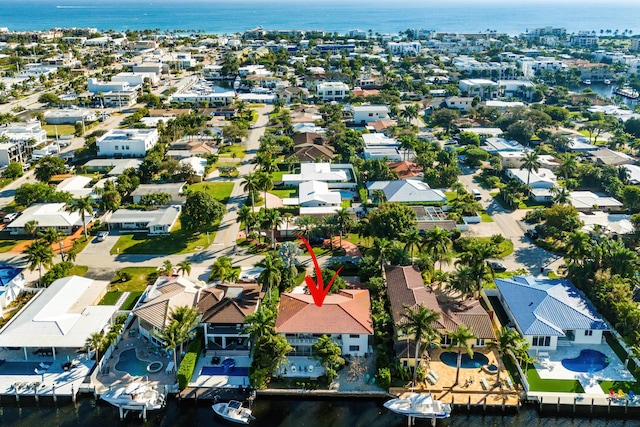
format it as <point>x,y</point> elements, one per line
<point>177,242</point>
<point>138,282</point>
<point>506,247</point>
<point>219,190</point>
<point>486,217</point>
<point>230,150</point>
<point>78,270</point>
<point>277,176</point>
<point>110,298</point>
<point>7,243</point>
<point>284,192</point>
<point>131,301</point>
<point>451,195</point>
<point>62,130</point>
<point>346,203</point>
<point>560,386</point>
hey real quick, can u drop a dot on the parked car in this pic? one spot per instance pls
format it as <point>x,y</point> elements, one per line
<point>10,217</point>
<point>101,236</point>
<point>498,267</point>
<point>532,233</point>
<point>316,240</point>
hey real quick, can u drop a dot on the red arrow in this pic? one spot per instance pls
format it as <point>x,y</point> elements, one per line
<point>318,291</point>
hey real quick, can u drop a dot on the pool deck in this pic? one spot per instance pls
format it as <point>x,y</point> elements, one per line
<point>220,381</point>
<point>551,367</point>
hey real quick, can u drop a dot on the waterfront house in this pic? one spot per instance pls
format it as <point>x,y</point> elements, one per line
<point>550,313</point>
<point>11,284</point>
<point>60,318</point>
<point>223,310</point>
<point>344,316</point>
<point>406,288</point>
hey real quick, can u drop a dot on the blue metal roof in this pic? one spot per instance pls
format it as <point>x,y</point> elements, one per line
<point>544,306</point>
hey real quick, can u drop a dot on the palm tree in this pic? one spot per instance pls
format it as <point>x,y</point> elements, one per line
<point>531,162</point>
<point>509,343</point>
<point>378,197</point>
<point>82,205</point>
<point>184,267</point>
<point>167,268</point>
<point>39,254</point>
<point>463,280</point>
<point>53,236</point>
<point>271,276</point>
<point>187,319</point>
<point>561,195</point>
<point>223,270</point>
<point>170,337</point>
<point>411,239</point>
<point>460,339</point>
<point>270,220</point>
<point>260,323</point>
<point>437,241</point>
<point>418,322</point>
<point>381,249</point>
<point>342,221</point>
<point>95,341</point>
<point>287,218</point>
<point>265,184</point>
<point>476,258</point>
<point>578,246</point>
<point>250,185</point>
<point>249,218</point>
<point>568,166</point>
<point>307,223</point>
<point>31,227</point>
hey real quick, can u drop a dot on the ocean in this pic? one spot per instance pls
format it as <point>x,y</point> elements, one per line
<point>231,16</point>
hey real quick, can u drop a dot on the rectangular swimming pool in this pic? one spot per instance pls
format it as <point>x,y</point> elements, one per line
<point>219,370</point>
<point>20,368</point>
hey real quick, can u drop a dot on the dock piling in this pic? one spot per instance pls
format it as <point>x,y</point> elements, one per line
<point>53,392</point>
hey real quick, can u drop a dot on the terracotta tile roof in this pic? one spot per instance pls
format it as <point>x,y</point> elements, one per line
<point>406,169</point>
<point>380,125</point>
<point>227,304</point>
<point>348,312</point>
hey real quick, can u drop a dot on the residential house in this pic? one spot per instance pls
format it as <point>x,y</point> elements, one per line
<point>462,103</point>
<point>60,317</point>
<point>336,175</point>
<point>11,284</point>
<point>406,170</point>
<point>69,116</point>
<point>154,222</point>
<point>120,98</point>
<point>582,145</point>
<point>48,215</point>
<point>198,164</point>
<point>344,316</point>
<point>188,148</point>
<point>608,157</point>
<point>407,191</point>
<point>369,113</point>
<point>550,313</point>
<point>539,182</point>
<point>380,146</point>
<point>20,141</point>
<point>153,310</point>
<point>311,147</point>
<point>294,94</point>
<point>78,185</point>
<point>406,288</point>
<point>112,167</point>
<point>332,91</point>
<point>633,174</point>
<point>485,89</point>
<point>172,189</point>
<point>587,201</point>
<point>223,310</point>
<point>315,198</point>
<point>522,89</point>
<point>494,145</point>
<point>404,48</point>
<point>515,159</point>
<point>126,142</point>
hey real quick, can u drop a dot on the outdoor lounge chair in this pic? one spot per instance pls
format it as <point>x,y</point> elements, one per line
<point>484,383</point>
<point>39,372</point>
<point>509,382</point>
<point>622,394</point>
<point>612,394</point>
<point>431,379</point>
<point>632,396</point>
<point>44,365</point>
<point>434,375</point>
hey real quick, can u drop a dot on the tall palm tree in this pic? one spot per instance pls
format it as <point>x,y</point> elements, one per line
<point>260,323</point>
<point>463,280</point>
<point>287,218</point>
<point>95,341</point>
<point>265,183</point>
<point>53,237</point>
<point>170,337</point>
<point>418,322</point>
<point>411,239</point>
<point>381,249</point>
<point>578,246</point>
<point>437,242</point>
<point>39,254</point>
<point>270,220</point>
<point>184,267</point>
<point>378,197</point>
<point>307,224</point>
<point>271,275</point>
<point>250,184</point>
<point>342,221</point>
<point>568,166</point>
<point>187,319</point>
<point>82,205</point>
<point>509,343</point>
<point>223,270</point>
<point>561,195</point>
<point>460,339</point>
<point>31,227</point>
<point>476,258</point>
<point>531,162</point>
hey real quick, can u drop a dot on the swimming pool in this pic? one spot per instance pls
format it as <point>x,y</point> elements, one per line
<point>450,358</point>
<point>587,361</point>
<point>129,362</point>
<point>219,370</point>
<point>20,368</point>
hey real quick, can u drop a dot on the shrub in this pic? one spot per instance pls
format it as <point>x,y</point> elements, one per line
<point>383,378</point>
<point>58,271</point>
<point>189,362</point>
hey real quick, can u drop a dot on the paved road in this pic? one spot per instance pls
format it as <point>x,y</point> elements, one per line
<point>526,255</point>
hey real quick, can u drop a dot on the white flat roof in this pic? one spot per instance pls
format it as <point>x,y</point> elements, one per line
<point>63,315</point>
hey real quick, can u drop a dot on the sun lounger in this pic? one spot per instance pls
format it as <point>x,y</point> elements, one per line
<point>634,397</point>
<point>622,394</point>
<point>39,372</point>
<point>44,366</point>
<point>509,382</point>
<point>431,379</point>
<point>484,383</point>
<point>612,394</point>
<point>434,375</point>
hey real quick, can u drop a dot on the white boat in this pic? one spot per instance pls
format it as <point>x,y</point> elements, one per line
<point>135,396</point>
<point>233,411</point>
<point>419,405</point>
<point>586,82</point>
<point>607,81</point>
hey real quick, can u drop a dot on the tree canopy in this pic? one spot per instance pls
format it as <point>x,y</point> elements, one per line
<point>201,210</point>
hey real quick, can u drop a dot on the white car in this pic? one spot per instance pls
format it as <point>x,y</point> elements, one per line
<point>101,236</point>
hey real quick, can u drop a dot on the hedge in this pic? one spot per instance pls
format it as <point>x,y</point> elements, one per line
<point>189,362</point>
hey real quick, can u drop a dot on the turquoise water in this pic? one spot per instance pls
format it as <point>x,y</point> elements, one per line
<point>129,362</point>
<point>229,16</point>
<point>451,359</point>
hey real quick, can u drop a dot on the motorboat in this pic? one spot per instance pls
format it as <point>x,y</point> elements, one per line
<point>627,92</point>
<point>136,396</point>
<point>233,411</point>
<point>419,405</point>
<point>606,81</point>
<point>586,82</point>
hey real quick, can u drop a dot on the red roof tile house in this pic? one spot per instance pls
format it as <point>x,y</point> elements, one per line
<point>345,316</point>
<point>405,287</point>
<point>223,311</point>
